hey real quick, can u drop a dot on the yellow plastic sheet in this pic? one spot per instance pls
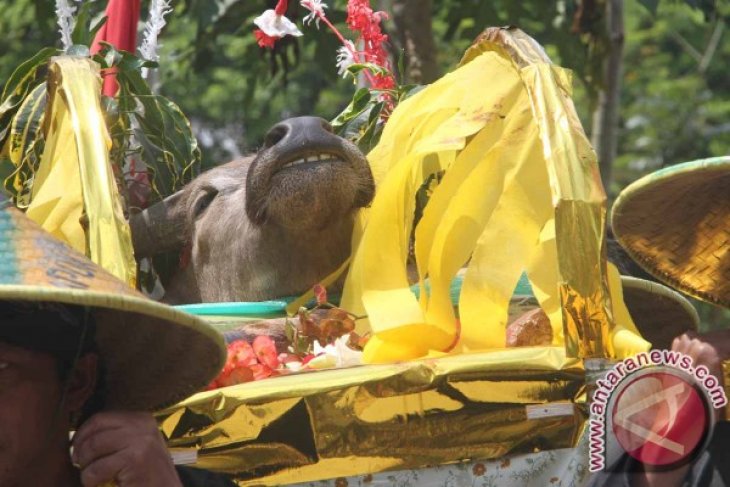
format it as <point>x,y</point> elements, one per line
<point>520,192</point>
<point>74,179</point>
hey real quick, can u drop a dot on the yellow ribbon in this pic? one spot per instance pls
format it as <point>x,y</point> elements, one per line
<point>519,182</point>
<point>75,176</point>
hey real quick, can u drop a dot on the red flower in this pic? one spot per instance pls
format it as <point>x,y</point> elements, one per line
<point>361,18</point>
<point>381,82</point>
<point>273,25</point>
<point>246,363</point>
<point>235,376</point>
<point>261,371</point>
<point>307,358</point>
<point>264,40</point>
<point>240,354</point>
<point>320,293</point>
<point>266,353</point>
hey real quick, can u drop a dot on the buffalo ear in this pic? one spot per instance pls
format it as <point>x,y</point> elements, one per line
<point>160,228</point>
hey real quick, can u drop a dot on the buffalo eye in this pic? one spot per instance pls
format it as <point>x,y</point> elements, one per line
<point>204,201</point>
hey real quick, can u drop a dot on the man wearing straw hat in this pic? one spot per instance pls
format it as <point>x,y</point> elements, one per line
<point>675,223</point>
<point>80,350</point>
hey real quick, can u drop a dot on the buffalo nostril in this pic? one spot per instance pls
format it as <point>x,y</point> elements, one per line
<point>275,135</point>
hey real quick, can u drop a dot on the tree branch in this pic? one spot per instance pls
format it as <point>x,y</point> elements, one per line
<point>711,45</point>
<point>413,24</point>
<point>605,118</point>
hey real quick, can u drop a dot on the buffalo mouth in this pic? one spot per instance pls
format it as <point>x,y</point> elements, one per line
<point>308,167</point>
<point>310,160</point>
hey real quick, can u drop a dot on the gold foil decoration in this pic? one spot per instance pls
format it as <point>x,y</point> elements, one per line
<point>74,182</point>
<point>367,419</point>
<point>577,193</point>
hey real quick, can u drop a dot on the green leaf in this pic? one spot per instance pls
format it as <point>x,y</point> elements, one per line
<point>169,147</point>
<point>359,103</point>
<point>357,68</point>
<point>373,130</point>
<point>26,124</point>
<point>20,83</point>
<point>84,33</point>
<point>355,127</point>
<point>650,5</point>
<point>96,28</point>
<point>289,330</point>
<point>80,34</point>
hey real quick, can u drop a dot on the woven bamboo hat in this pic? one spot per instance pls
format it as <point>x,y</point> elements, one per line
<point>154,355</point>
<point>660,313</point>
<point>675,223</point>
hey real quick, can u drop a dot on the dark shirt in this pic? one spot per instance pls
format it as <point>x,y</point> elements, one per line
<point>195,477</point>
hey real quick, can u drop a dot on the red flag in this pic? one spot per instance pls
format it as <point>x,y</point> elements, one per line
<point>120,31</point>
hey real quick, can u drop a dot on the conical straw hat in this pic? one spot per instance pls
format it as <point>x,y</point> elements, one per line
<point>154,355</point>
<point>660,313</point>
<point>676,224</point>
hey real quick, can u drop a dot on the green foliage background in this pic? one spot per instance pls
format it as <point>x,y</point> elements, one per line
<point>675,103</point>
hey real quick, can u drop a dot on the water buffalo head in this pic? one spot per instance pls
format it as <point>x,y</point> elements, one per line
<point>269,225</point>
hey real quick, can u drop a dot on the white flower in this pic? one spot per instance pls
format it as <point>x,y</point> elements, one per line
<point>276,25</point>
<point>335,355</point>
<point>345,58</point>
<point>316,9</point>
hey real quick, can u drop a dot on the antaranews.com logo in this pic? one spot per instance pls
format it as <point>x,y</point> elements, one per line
<point>659,408</point>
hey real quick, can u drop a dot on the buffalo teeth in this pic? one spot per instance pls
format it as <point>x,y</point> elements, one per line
<point>317,157</point>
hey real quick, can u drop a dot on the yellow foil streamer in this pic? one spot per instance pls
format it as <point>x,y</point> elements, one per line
<point>520,192</point>
<point>369,419</point>
<point>75,177</point>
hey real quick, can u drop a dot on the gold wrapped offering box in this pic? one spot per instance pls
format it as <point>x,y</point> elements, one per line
<point>519,197</point>
<point>368,419</point>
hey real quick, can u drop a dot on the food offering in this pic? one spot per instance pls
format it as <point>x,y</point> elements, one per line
<point>473,347</point>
